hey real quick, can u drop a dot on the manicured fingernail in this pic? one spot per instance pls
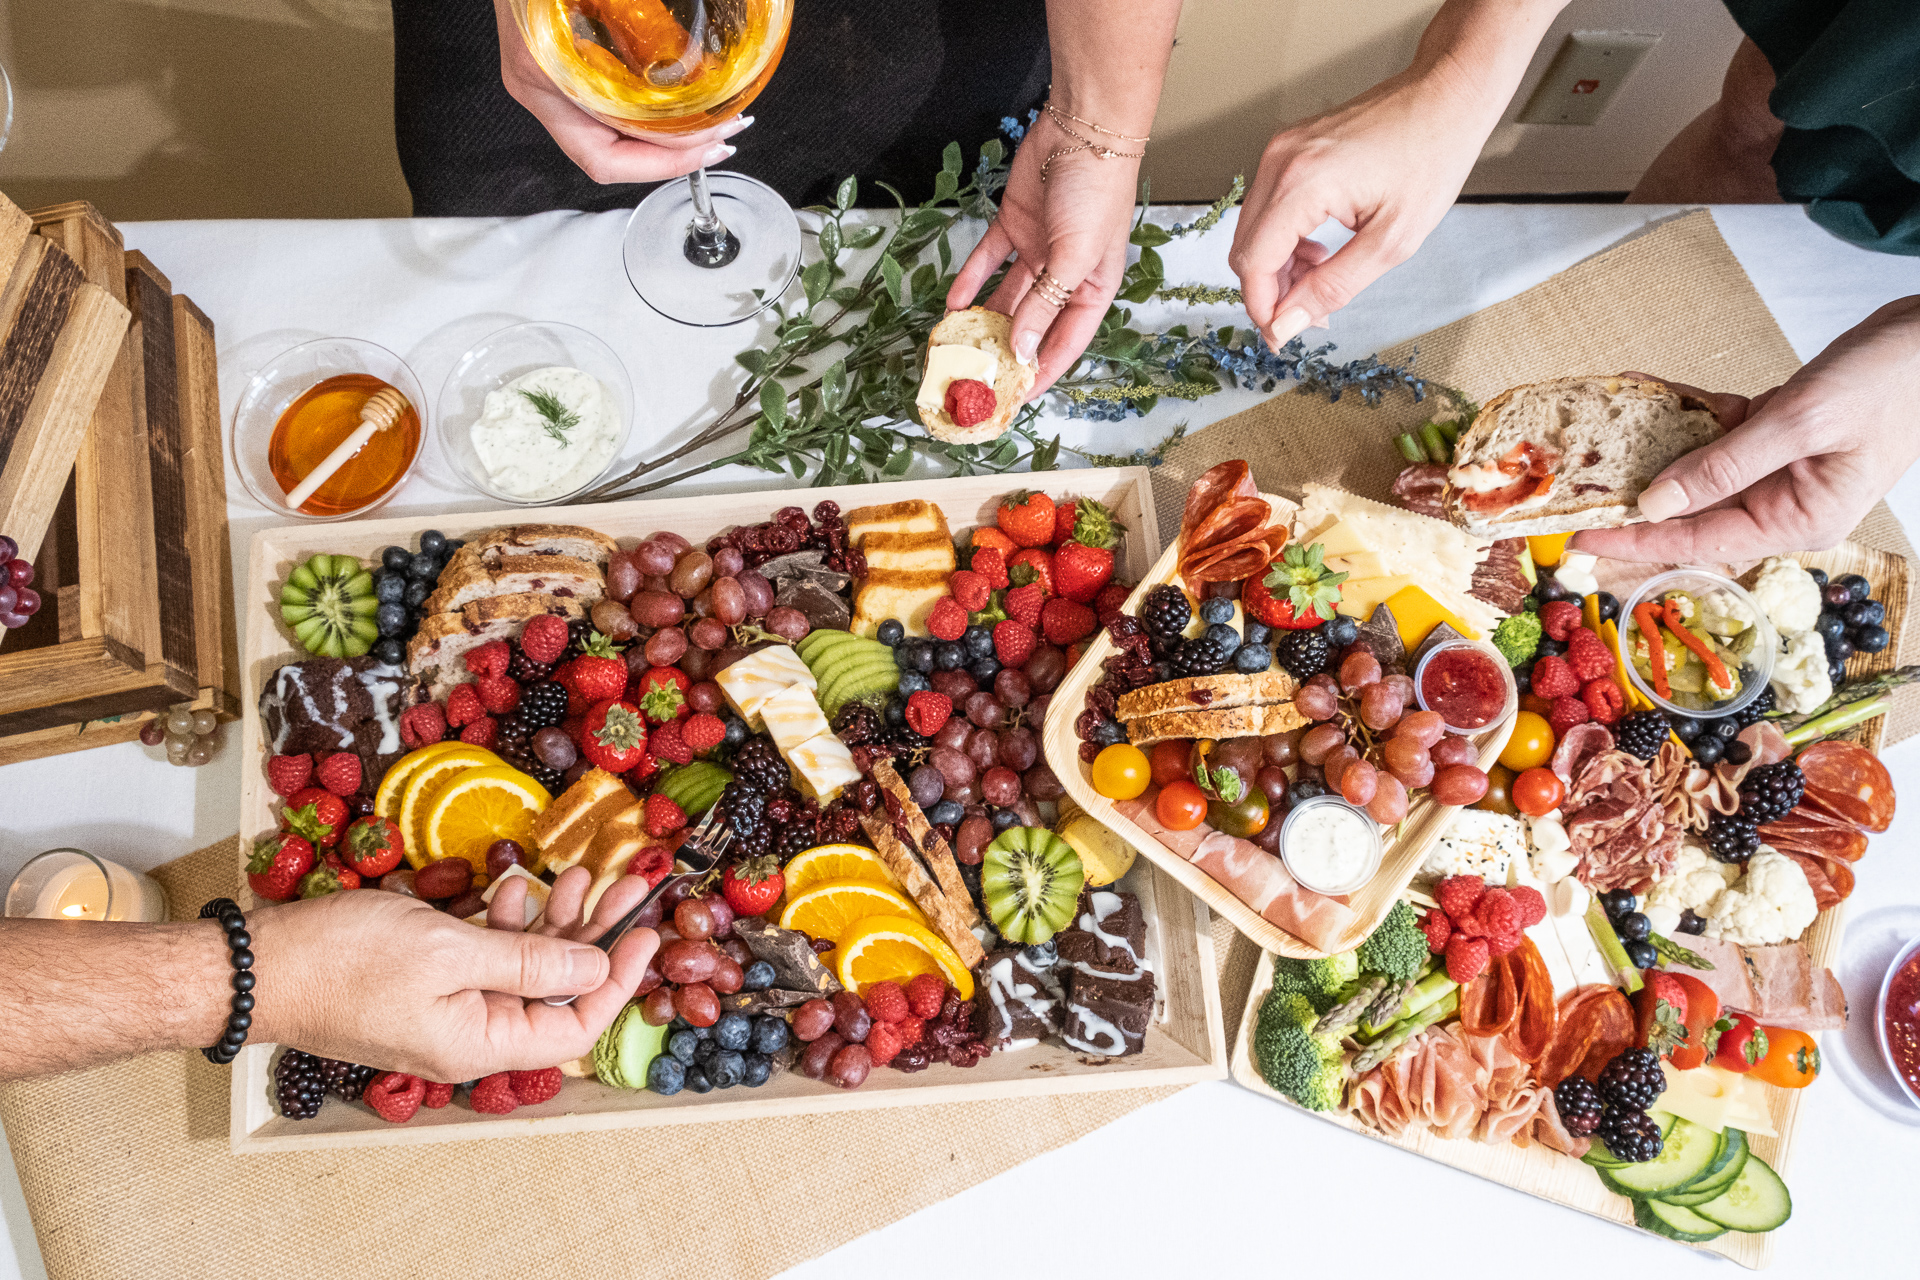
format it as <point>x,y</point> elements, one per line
<point>1025,345</point>
<point>716,154</point>
<point>737,126</point>
<point>583,965</point>
<point>1287,326</point>
<point>1663,500</point>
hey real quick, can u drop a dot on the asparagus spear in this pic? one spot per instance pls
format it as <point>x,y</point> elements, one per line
<point>1348,1011</point>
<point>1382,1049</point>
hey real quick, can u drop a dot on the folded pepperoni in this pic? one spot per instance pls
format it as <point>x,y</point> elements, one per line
<point>1595,1024</point>
<point>1221,483</point>
<point>1824,894</point>
<point>1840,876</point>
<point>1538,1017</point>
<point>1823,835</point>
<point>1848,781</point>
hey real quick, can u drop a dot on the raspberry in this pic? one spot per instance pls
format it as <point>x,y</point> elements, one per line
<point>652,863</point>
<point>490,659</point>
<point>438,1095</point>
<point>464,705</point>
<point>927,711</point>
<point>667,743</point>
<point>970,402</point>
<point>395,1096</point>
<point>971,589</point>
<point>1063,622</point>
<point>991,564</point>
<point>1532,908</point>
<point>1107,605</point>
<point>1558,618</point>
<point>947,621</point>
<point>1587,655</point>
<point>1566,713</point>
<point>1438,929</point>
<point>1023,604</point>
<point>339,773</point>
<point>702,732</point>
<point>1458,894</point>
<point>1496,914</point>
<point>498,694</point>
<point>883,1042</point>
<point>886,1002</point>
<point>1604,700</point>
<point>290,774</point>
<point>534,1087</point>
<point>1553,678</point>
<point>483,732</point>
<point>424,724</point>
<point>1499,944</point>
<point>912,1030</point>
<point>494,1095</point>
<point>1013,643</point>
<point>925,994</point>
<point>664,816</point>
<point>1466,960</point>
<point>544,639</point>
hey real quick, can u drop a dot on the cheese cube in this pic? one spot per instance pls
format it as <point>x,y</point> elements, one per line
<point>1418,613</point>
<point>748,683</point>
<point>824,766</point>
<point>792,716</point>
<point>1715,1097</point>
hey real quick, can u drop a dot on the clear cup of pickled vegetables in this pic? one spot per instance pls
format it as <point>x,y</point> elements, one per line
<point>1715,647</point>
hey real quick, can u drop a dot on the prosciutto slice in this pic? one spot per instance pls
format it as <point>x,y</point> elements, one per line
<point>1615,819</point>
<point>1460,1086</point>
<point>1225,534</point>
<point>1419,488</point>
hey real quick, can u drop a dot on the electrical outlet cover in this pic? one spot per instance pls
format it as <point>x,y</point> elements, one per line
<point>1587,70</point>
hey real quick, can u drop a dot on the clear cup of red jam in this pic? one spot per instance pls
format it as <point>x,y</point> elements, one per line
<point>1469,684</point>
<point>1896,1020</point>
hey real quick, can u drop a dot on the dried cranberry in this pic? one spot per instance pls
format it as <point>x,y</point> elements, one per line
<point>716,542</point>
<point>945,831</point>
<point>826,511</point>
<point>1124,626</point>
<point>1088,751</point>
<point>856,564</point>
<point>780,811</point>
<point>912,1058</point>
<point>782,540</point>
<point>820,945</point>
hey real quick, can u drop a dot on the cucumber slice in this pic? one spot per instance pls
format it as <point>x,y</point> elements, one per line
<point>1687,1152</point>
<point>1756,1201</point>
<point>1726,1167</point>
<point>1674,1222</point>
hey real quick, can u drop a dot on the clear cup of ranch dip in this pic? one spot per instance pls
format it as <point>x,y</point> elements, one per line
<point>1330,846</point>
<point>536,413</point>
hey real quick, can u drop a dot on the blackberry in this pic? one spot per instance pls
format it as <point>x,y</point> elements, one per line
<point>1630,1135</point>
<point>514,737</point>
<point>1641,733</point>
<point>1580,1105</point>
<point>1755,710</point>
<point>298,1085</point>
<point>525,669</point>
<point>1165,612</point>
<point>743,807</point>
<point>1200,657</point>
<point>1772,790</point>
<point>543,705</point>
<point>1632,1080</point>
<point>1304,654</point>
<point>857,723</point>
<point>578,632</point>
<point>758,765</point>
<point>345,1080</point>
<point>1732,837</point>
<point>793,839</point>
<point>554,780</point>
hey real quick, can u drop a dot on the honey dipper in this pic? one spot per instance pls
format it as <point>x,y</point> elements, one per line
<point>381,411</point>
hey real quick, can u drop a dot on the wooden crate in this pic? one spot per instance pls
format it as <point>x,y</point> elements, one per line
<point>135,568</point>
<point>1187,1047</point>
<point>1406,844</point>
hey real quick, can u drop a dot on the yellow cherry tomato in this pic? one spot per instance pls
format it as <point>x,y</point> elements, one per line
<point>1121,772</point>
<point>1531,744</point>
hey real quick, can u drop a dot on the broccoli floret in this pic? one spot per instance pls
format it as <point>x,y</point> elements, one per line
<point>1517,637</point>
<point>1305,1067</point>
<point>1397,948</point>
<point>1320,980</point>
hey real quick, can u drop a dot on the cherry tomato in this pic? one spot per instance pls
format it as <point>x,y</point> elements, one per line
<point>1792,1060</point>
<point>1537,791</point>
<point>1499,798</point>
<point>1121,771</point>
<point>1172,761</point>
<point>1180,806</point>
<point>1531,744</point>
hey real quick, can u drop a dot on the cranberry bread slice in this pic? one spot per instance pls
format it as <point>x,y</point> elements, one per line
<point>437,653</point>
<point>553,575</point>
<point>538,540</point>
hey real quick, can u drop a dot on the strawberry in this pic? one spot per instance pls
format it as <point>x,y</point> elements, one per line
<point>1566,713</point>
<point>422,725</point>
<point>493,1095</point>
<point>1026,518</point>
<point>372,846</point>
<point>991,564</point>
<point>752,887</point>
<point>971,589</point>
<point>703,731</point>
<point>970,402</point>
<point>544,639</point>
<point>599,673</point>
<point>1093,526</point>
<point>1587,654</point>
<point>1553,678</point>
<point>395,1096</point>
<point>323,880</point>
<point>1065,513</point>
<point>1063,622</point>
<point>614,737</point>
<point>1660,1013</point>
<point>665,743</point>
<point>1604,700</point>
<point>1558,618</point>
<point>1466,958</point>
<point>1031,565</point>
<point>1081,572</point>
<point>318,815</point>
<point>1013,643</point>
<point>988,536</point>
<point>664,816</point>
<point>946,620</point>
<point>339,773</point>
<point>288,775</point>
<point>498,694</point>
<point>534,1087</point>
<point>276,865</point>
<point>927,711</point>
<point>1023,605</point>
<point>1295,593</point>
<point>1111,600</point>
<point>483,732</point>
<point>490,659</point>
<point>463,705</point>
<point>661,693</point>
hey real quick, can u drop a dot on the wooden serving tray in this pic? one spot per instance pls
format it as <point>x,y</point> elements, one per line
<point>1406,844</point>
<point>1186,1047</point>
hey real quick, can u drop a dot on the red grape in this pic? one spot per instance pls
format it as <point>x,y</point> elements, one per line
<point>1320,740</point>
<point>705,696</point>
<point>653,558</point>
<point>1359,671</point>
<point>850,1016</point>
<point>1042,783</point>
<point>1019,749</point>
<point>790,625</point>
<point>1316,702</point>
<point>692,919</point>
<point>1451,750</point>
<point>729,600</point>
<point>691,574</point>
<point>1408,761</point>
<point>1000,786</point>
<point>664,647</point>
<point>1013,687</point>
<point>685,960</point>
<point>650,978</point>
<point>502,854</point>
<point>708,633</point>
<point>959,685</point>
<point>612,619</point>
<point>758,590</point>
<point>657,1009</point>
<point>1389,803</point>
<point>1046,666</point>
<point>1334,767</point>
<point>675,544</point>
<point>1282,749</point>
<point>728,561</point>
<point>1401,682</point>
<point>1459,784</point>
<point>697,1003</point>
<point>819,1054</point>
<point>954,765</point>
<point>953,734</point>
<point>1423,727</point>
<point>728,976</point>
<point>623,576</point>
<point>697,664</point>
<point>555,749</point>
<point>984,710</point>
<point>721,911</point>
<point>1358,782</point>
<point>970,841</point>
<point>850,1067</point>
<point>657,608</point>
<point>1381,706</point>
<point>1272,781</point>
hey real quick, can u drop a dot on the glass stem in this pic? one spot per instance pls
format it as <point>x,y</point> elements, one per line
<point>709,243</point>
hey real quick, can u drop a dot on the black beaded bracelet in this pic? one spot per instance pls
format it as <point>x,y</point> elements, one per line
<point>239,944</point>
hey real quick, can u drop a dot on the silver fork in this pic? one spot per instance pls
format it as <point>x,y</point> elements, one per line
<point>699,853</point>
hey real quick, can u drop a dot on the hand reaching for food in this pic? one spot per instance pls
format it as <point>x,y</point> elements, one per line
<point>1799,465</point>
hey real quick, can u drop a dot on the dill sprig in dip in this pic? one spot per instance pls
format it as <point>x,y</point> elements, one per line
<point>546,433</point>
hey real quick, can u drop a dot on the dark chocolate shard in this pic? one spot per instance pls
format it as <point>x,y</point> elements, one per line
<point>824,609</point>
<point>790,564</point>
<point>1439,635</point>
<point>1381,631</point>
<point>795,966</point>
<point>754,1003</point>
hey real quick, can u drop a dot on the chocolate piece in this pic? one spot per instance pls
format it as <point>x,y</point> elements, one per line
<point>1381,631</point>
<point>790,565</point>
<point>1110,986</point>
<point>754,1003</point>
<point>1439,635</point>
<point>1107,1016</point>
<point>1109,932</point>
<point>1019,1002</point>
<point>795,966</point>
<point>824,609</point>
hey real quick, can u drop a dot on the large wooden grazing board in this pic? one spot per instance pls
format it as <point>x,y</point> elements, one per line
<point>1406,844</point>
<point>1187,1047</point>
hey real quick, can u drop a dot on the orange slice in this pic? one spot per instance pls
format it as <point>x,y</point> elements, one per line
<point>418,790</point>
<point>889,949</point>
<point>393,784</point>
<point>478,806</point>
<point>829,910</point>
<point>826,862</point>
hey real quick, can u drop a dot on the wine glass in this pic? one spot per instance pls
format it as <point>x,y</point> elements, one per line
<point>711,248</point>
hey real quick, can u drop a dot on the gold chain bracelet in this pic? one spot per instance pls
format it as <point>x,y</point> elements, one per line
<point>1099,149</point>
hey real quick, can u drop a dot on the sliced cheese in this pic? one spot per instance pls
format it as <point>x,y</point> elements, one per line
<point>1336,538</point>
<point>825,767</point>
<point>748,683</point>
<point>792,716</point>
<point>1424,551</point>
<point>1417,613</point>
<point>1715,1097</point>
<point>1358,597</point>
<point>1359,564</point>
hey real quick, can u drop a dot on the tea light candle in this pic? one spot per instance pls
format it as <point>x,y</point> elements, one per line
<point>71,884</point>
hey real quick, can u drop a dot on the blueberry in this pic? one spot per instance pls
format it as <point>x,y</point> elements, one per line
<point>1609,606</point>
<point>1618,902</point>
<point>1550,648</point>
<point>1839,648</point>
<point>698,1082</point>
<point>1728,728</point>
<point>1686,727</point>
<point>416,593</point>
<point>1737,752</point>
<point>732,1030</point>
<point>1548,589</point>
<point>705,1033</point>
<point>453,545</point>
<point>1004,818</point>
<point>1306,790</point>
<point>759,1070</point>
<point>979,641</point>
<point>1252,658</point>
<point>1865,613</point>
<point>681,1045</point>
<point>769,1034</point>
<point>1819,577</point>
<point>390,651</point>
<point>396,559</point>
<point>1871,638</point>
<point>433,542</point>
<point>727,1069</point>
<point>666,1075</point>
<point>890,633</point>
<point>1857,587</point>
<point>1223,635</point>
<point>1578,602</point>
<point>913,682</point>
<point>984,669</point>
<point>389,588</point>
<point>1217,609</point>
<point>1640,954</point>
<point>1692,923</point>
<point>1830,624</point>
<point>424,567</point>
<point>1341,631</point>
<point>949,655</point>
<point>391,619</point>
<point>1258,633</point>
<point>896,713</point>
<point>1523,677</point>
<point>1162,672</point>
<point>923,659</point>
<point>947,811</point>
<point>704,1052</point>
<point>1707,748</point>
<point>757,976</point>
<point>1836,673</point>
<point>903,656</point>
<point>1633,927</point>
<point>737,732</point>
<point>1836,596</point>
<point>1108,732</point>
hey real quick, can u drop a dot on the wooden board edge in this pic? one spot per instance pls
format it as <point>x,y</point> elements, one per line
<point>150,299</point>
<point>203,463</point>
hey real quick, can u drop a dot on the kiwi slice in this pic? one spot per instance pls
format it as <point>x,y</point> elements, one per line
<point>1030,882</point>
<point>329,603</point>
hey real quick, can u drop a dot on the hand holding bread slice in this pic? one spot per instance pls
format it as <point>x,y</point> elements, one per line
<point>974,345</point>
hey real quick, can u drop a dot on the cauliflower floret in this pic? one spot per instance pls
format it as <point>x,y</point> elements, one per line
<point>1788,594</point>
<point>1575,572</point>
<point>1696,882</point>
<point>1551,853</point>
<point>1801,681</point>
<point>1772,903</point>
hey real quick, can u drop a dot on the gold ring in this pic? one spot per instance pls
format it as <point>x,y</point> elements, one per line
<point>1051,290</point>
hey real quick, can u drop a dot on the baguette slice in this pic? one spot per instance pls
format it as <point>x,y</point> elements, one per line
<point>1594,443</point>
<point>1206,693</point>
<point>989,331</point>
<point>1239,722</point>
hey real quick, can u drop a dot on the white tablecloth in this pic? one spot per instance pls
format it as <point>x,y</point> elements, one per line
<point>1206,1177</point>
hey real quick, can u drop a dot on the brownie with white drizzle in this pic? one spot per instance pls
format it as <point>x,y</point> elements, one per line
<point>1109,984</point>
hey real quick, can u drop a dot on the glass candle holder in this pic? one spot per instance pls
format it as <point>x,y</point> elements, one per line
<point>72,884</point>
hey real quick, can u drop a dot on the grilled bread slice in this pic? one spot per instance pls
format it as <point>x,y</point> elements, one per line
<point>551,575</point>
<point>909,553</point>
<point>1239,722</point>
<point>989,331</point>
<point>1206,693</point>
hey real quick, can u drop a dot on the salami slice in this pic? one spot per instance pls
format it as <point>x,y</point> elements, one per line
<point>1829,838</point>
<point>1824,894</point>
<point>1419,488</point>
<point>1595,1024</point>
<point>1839,875</point>
<point>1848,781</point>
<point>1221,484</point>
<point>1538,1017</point>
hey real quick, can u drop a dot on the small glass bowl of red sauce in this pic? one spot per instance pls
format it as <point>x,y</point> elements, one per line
<point>1468,683</point>
<point>1897,1019</point>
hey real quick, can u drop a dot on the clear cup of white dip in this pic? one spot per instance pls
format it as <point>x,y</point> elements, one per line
<point>1330,846</point>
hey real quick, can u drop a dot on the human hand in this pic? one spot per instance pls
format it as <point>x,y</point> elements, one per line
<point>382,979</point>
<point>1074,226</point>
<point>603,153</point>
<point>1798,466</point>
